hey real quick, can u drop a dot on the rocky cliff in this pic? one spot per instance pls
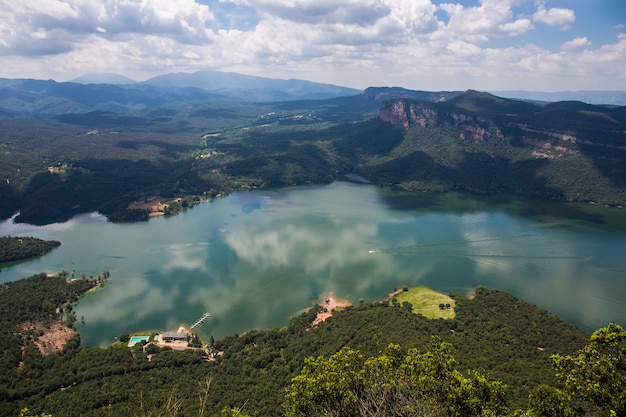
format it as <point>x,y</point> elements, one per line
<point>407,113</point>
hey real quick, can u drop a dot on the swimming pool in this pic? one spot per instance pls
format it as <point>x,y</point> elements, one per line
<point>136,339</point>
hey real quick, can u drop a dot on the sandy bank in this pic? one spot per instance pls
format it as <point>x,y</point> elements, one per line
<point>330,303</point>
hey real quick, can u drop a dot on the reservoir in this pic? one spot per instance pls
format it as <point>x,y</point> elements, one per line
<point>254,259</point>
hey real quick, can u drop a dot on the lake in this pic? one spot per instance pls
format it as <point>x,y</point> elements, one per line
<point>253,259</point>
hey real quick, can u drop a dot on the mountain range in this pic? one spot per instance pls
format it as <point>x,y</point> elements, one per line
<point>116,93</point>
<point>607,97</point>
<point>209,132</point>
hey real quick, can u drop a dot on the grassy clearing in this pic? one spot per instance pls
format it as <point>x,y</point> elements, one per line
<point>426,302</point>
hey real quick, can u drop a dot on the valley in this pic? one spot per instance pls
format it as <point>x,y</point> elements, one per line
<point>257,208</point>
<point>204,149</point>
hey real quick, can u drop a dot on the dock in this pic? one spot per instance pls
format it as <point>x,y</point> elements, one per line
<point>200,320</point>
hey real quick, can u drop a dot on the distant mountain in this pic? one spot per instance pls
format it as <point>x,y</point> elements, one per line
<point>103,78</point>
<point>115,93</point>
<point>381,94</point>
<point>617,98</point>
<point>251,88</point>
<point>38,98</point>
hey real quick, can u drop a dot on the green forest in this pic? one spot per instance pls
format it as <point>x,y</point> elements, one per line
<point>498,355</point>
<point>476,142</point>
<point>19,248</point>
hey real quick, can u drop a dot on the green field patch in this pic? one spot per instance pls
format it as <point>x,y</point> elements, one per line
<point>427,302</point>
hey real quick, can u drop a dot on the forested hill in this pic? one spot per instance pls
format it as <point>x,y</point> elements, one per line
<point>51,170</point>
<point>494,333</point>
<point>479,142</point>
<point>14,248</point>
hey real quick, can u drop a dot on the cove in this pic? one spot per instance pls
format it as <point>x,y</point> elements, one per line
<point>253,259</point>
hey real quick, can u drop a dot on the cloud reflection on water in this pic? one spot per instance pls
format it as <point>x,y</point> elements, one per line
<point>261,265</point>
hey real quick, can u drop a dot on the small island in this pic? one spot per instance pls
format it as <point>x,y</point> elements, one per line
<point>13,249</point>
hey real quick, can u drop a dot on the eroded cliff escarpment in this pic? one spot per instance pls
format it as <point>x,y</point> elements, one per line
<point>408,113</point>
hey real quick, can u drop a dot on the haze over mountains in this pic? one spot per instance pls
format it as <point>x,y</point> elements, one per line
<point>117,93</point>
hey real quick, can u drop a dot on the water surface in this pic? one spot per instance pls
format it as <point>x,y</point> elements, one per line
<point>253,259</point>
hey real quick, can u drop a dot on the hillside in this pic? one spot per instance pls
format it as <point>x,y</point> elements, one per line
<point>472,141</point>
<point>567,150</point>
<point>506,337</point>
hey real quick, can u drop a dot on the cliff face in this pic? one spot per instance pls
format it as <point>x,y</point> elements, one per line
<point>407,114</point>
<point>562,131</point>
<point>401,112</point>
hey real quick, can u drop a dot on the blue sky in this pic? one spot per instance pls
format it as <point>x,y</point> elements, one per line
<point>539,45</point>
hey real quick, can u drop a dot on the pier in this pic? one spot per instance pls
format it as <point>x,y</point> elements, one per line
<point>200,320</point>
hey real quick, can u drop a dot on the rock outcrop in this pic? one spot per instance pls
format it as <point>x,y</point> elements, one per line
<point>402,112</point>
<point>407,113</point>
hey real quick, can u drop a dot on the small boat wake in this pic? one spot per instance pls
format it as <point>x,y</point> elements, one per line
<point>493,247</point>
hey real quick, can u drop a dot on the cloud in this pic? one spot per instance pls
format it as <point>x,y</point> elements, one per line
<point>575,43</point>
<point>492,18</point>
<point>414,43</point>
<point>328,12</point>
<point>555,16</point>
<point>228,16</point>
<point>415,16</point>
<point>54,27</point>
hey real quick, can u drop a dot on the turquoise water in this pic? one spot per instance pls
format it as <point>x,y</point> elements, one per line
<point>253,259</point>
<point>137,339</point>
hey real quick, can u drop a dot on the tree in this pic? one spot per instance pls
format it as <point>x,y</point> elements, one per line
<point>597,372</point>
<point>547,401</point>
<point>152,349</point>
<point>24,412</point>
<point>593,378</point>
<point>325,386</point>
<point>395,383</point>
<point>232,412</point>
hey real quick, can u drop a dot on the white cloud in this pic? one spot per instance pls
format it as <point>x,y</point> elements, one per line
<point>555,16</point>
<point>414,15</point>
<point>464,49</point>
<point>359,43</point>
<point>575,43</point>
<point>492,18</point>
<point>348,12</point>
<point>52,26</point>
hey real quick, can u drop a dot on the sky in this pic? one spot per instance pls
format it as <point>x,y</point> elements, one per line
<point>536,45</point>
